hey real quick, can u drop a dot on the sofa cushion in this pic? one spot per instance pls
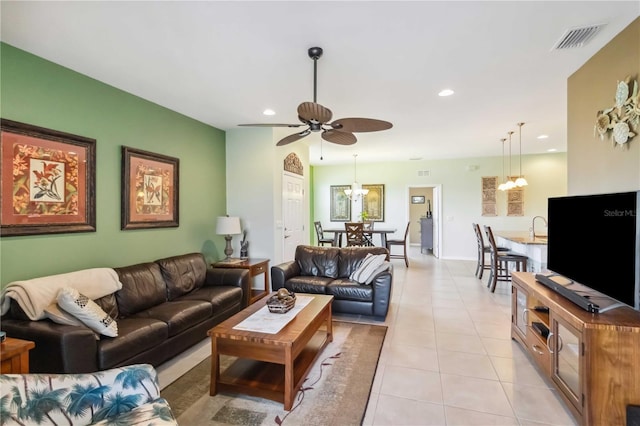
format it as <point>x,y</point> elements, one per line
<point>346,289</point>
<point>314,285</point>
<point>352,257</point>
<point>318,263</point>
<point>179,315</point>
<point>220,297</point>
<point>142,288</point>
<point>109,305</point>
<point>183,274</point>
<point>135,335</point>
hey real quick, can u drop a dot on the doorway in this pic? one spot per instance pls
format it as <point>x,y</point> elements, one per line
<point>424,201</point>
<point>293,214</point>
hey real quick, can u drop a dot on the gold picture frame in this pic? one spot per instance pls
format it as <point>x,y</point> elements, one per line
<point>373,202</point>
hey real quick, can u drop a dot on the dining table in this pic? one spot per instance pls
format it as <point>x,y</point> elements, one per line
<point>337,234</point>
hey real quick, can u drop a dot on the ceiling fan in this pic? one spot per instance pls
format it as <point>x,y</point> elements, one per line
<point>317,118</point>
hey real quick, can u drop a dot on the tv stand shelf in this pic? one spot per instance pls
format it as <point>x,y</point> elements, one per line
<point>592,359</point>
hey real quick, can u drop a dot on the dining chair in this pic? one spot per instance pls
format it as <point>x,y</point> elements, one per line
<point>322,240</point>
<point>403,243</point>
<point>501,261</point>
<point>368,236</point>
<point>355,233</point>
<point>483,250</point>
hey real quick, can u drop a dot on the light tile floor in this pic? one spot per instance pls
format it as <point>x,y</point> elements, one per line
<point>448,358</point>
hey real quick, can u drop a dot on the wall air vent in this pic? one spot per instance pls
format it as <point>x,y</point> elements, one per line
<point>577,37</point>
<point>424,173</point>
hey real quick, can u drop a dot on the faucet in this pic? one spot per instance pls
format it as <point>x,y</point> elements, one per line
<point>533,225</point>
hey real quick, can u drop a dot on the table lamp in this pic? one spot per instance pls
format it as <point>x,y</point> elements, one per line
<point>228,226</point>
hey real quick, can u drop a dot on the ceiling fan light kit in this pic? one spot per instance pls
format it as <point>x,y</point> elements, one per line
<point>317,118</point>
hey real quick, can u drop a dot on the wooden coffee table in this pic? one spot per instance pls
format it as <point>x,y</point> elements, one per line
<point>271,366</point>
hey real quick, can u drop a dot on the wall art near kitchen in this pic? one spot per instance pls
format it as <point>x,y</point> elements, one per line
<point>515,200</point>
<point>489,187</point>
<point>47,181</point>
<point>150,186</point>
<point>621,122</point>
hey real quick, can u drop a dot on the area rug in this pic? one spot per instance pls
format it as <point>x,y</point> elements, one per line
<point>336,391</point>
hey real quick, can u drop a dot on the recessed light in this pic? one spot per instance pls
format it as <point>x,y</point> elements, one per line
<point>552,150</point>
<point>446,92</point>
<point>543,137</point>
<point>269,112</point>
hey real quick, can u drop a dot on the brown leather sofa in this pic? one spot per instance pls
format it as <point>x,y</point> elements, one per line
<point>326,270</point>
<point>163,308</point>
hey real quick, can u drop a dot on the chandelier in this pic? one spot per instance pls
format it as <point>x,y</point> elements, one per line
<point>356,190</point>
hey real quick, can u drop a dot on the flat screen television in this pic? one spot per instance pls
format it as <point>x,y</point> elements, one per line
<point>594,240</point>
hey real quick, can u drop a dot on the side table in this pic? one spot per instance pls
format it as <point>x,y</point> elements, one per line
<point>255,267</point>
<point>14,356</point>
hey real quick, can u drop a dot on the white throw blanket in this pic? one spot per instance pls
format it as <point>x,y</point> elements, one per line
<point>35,295</point>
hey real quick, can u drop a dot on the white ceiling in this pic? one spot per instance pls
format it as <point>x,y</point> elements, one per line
<point>223,63</point>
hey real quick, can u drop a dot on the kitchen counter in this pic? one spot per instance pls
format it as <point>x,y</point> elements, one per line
<point>521,237</point>
<point>522,242</point>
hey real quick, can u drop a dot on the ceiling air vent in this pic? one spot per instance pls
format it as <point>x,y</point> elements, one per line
<point>577,37</point>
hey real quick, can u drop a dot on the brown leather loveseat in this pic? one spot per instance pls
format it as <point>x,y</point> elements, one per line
<point>326,270</point>
<point>163,308</point>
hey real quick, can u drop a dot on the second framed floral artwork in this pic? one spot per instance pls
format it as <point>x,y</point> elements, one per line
<point>150,190</point>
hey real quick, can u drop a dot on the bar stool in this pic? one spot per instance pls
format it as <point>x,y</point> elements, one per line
<point>500,261</point>
<point>483,250</point>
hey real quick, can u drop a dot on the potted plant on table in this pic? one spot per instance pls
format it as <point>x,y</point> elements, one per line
<point>364,216</point>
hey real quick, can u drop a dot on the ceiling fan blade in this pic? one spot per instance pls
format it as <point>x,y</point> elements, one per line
<point>270,125</point>
<point>360,125</point>
<point>311,111</point>
<point>292,138</point>
<point>341,138</point>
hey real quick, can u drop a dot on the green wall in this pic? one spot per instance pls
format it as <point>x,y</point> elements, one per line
<point>38,92</point>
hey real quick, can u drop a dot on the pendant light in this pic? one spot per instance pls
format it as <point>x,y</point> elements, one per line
<point>356,190</point>
<point>521,181</point>
<point>502,187</point>
<point>509,184</point>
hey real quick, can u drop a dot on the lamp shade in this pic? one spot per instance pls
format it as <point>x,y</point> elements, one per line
<point>226,225</point>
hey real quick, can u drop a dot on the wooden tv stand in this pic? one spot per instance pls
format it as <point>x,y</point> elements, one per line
<point>592,359</point>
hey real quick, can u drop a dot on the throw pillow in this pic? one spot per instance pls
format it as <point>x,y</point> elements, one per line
<point>367,268</point>
<point>57,315</point>
<point>385,266</point>
<point>87,311</point>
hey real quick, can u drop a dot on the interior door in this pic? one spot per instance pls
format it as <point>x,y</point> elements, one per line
<point>293,211</point>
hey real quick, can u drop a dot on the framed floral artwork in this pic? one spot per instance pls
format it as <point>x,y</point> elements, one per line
<point>47,183</point>
<point>150,187</point>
